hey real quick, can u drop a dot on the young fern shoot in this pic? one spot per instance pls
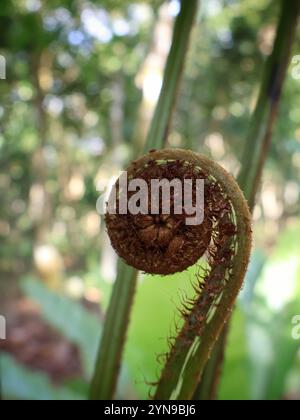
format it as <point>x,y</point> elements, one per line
<point>163,243</point>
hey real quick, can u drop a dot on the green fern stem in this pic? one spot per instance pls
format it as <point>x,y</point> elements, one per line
<point>216,296</point>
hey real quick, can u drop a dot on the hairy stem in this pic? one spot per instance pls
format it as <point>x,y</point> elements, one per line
<point>256,151</point>
<point>211,308</point>
<point>117,319</point>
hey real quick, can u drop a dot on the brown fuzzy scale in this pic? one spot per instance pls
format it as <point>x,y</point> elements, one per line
<point>165,244</point>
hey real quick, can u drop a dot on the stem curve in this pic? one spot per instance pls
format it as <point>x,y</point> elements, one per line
<point>216,295</point>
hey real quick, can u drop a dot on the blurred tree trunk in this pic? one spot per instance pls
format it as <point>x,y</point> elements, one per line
<point>150,76</point>
<point>48,262</point>
<point>40,199</point>
<point>117,111</point>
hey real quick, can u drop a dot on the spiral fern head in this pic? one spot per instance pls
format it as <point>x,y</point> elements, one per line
<point>164,243</point>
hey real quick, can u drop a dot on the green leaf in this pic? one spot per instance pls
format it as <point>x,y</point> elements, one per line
<point>20,383</point>
<point>154,314</point>
<point>69,318</point>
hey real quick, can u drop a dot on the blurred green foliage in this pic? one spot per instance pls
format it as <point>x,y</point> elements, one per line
<point>69,318</point>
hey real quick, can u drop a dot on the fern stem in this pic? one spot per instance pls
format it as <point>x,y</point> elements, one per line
<point>261,126</point>
<point>187,360</point>
<point>257,147</point>
<point>208,386</point>
<point>115,329</point>
<point>163,113</point>
<point>113,338</point>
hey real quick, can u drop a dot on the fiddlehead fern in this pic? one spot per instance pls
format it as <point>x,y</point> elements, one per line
<point>165,244</point>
